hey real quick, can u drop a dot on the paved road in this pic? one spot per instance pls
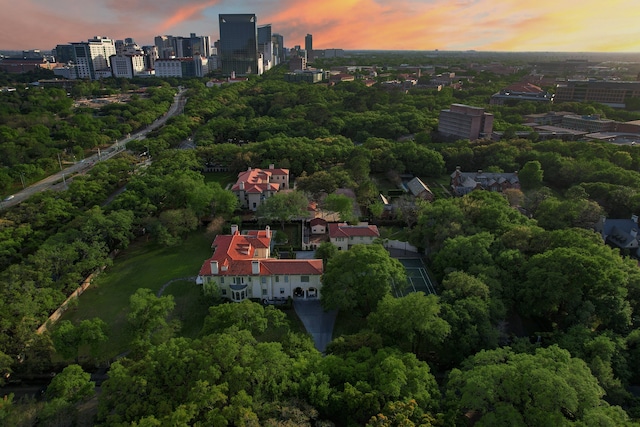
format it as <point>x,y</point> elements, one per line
<point>317,322</point>
<point>60,177</point>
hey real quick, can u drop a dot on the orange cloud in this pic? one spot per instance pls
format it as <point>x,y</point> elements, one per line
<point>472,24</point>
<point>513,25</point>
<point>185,13</point>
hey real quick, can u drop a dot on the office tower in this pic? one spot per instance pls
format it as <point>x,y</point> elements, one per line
<point>92,57</point>
<point>238,44</point>
<point>128,65</point>
<point>165,44</point>
<point>308,46</point>
<point>278,48</point>
<point>64,53</point>
<point>182,47</point>
<point>205,46</point>
<point>265,45</point>
<point>151,55</point>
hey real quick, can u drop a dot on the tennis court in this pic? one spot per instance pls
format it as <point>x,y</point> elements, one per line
<point>417,277</point>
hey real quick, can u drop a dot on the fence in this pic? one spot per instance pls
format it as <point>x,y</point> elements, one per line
<point>397,244</point>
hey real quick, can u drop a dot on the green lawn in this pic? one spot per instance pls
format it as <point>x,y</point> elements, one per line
<point>147,265</point>
<point>222,178</point>
<point>144,265</point>
<point>191,306</point>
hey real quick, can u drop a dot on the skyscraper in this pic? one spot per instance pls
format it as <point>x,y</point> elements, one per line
<point>92,57</point>
<point>265,45</point>
<point>278,48</point>
<point>308,45</point>
<point>238,44</point>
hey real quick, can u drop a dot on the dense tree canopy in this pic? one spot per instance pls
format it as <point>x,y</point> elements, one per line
<point>358,279</point>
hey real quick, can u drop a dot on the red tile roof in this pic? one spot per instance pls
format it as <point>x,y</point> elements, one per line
<point>317,221</point>
<point>235,254</point>
<point>345,230</point>
<point>258,180</point>
<point>291,266</point>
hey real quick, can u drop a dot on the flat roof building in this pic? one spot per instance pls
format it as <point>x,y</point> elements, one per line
<point>611,93</point>
<point>465,122</point>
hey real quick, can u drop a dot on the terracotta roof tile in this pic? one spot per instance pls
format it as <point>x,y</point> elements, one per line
<point>345,230</point>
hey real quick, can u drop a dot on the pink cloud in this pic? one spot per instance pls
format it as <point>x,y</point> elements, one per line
<point>347,24</point>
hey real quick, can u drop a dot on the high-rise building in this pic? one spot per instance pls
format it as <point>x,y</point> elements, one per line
<point>92,57</point>
<point>278,48</point>
<point>308,46</point>
<point>183,47</point>
<point>165,45</point>
<point>151,54</point>
<point>239,44</point>
<point>265,46</point>
<point>64,53</point>
<point>128,65</point>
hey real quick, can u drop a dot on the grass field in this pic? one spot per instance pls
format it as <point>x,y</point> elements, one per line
<point>145,265</point>
<point>222,178</point>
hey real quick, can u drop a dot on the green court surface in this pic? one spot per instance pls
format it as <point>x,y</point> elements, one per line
<point>417,277</point>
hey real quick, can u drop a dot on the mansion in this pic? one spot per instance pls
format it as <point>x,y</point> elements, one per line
<point>242,268</point>
<point>254,186</point>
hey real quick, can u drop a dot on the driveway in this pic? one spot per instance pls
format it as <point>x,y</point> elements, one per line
<point>316,321</point>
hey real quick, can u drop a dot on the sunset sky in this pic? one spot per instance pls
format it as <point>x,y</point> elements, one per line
<point>495,25</point>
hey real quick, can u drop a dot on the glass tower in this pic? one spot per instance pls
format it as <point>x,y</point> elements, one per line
<point>238,44</point>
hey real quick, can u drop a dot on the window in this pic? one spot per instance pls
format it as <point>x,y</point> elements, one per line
<point>304,279</point>
<point>223,291</point>
<point>286,279</point>
<point>264,292</point>
<point>281,291</point>
<point>277,279</point>
<point>264,279</point>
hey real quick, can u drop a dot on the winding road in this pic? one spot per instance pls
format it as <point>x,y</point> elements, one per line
<point>58,179</point>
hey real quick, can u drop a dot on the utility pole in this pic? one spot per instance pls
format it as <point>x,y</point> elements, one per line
<point>59,161</point>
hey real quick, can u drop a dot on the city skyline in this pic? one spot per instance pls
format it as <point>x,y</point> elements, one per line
<point>486,25</point>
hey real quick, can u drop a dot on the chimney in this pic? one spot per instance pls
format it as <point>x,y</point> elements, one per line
<point>249,169</point>
<point>214,267</point>
<point>242,185</point>
<point>268,230</point>
<point>634,218</point>
<point>234,229</point>
<point>255,267</point>
<point>271,166</point>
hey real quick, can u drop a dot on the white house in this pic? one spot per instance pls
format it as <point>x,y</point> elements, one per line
<point>344,235</point>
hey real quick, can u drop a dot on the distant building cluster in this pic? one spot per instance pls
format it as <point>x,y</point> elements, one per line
<point>244,48</point>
